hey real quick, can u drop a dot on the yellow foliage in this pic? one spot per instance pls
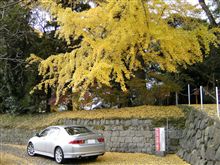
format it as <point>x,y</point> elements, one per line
<point>118,37</point>
<point>33,58</point>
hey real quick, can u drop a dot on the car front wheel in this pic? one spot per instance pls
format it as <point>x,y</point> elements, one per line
<point>30,149</point>
<point>58,155</point>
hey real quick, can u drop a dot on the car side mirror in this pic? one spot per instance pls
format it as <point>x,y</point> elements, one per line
<point>37,134</point>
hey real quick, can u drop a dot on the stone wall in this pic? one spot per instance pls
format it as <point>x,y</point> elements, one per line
<point>200,144</point>
<point>123,135</point>
<point>131,135</point>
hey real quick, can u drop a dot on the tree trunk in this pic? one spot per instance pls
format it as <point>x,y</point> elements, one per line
<point>75,101</point>
<point>208,13</point>
<point>196,99</point>
<point>48,96</point>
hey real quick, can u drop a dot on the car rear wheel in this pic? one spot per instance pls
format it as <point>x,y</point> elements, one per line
<point>58,155</point>
<point>30,149</point>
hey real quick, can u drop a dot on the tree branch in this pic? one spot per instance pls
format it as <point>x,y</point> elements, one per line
<point>12,59</point>
<point>208,13</point>
<point>10,4</point>
<point>145,11</point>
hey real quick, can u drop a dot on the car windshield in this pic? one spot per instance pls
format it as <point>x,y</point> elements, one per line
<point>77,130</point>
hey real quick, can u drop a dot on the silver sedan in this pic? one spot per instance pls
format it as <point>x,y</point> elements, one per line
<point>62,142</point>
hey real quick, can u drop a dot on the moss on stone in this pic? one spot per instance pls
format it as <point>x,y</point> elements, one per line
<point>99,127</point>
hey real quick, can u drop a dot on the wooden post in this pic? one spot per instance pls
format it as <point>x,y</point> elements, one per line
<point>217,101</point>
<point>188,94</point>
<point>176,98</point>
<point>201,98</point>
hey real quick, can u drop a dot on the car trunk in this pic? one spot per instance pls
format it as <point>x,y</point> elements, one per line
<point>88,143</point>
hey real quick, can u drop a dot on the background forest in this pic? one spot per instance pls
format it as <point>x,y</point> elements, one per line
<point>133,77</point>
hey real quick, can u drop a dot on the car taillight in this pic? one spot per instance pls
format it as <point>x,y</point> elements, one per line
<point>101,140</point>
<point>77,142</point>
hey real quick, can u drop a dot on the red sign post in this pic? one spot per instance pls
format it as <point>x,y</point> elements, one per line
<point>157,139</point>
<point>160,145</point>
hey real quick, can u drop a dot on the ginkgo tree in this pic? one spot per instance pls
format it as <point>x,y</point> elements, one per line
<point>118,37</point>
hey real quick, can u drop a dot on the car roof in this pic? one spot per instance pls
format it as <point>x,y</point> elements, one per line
<point>65,126</point>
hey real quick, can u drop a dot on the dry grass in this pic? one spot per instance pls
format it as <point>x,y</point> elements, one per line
<point>43,120</point>
<point>210,109</point>
<point>21,147</point>
<point>9,159</point>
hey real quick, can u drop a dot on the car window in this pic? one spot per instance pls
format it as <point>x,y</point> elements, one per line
<point>77,130</point>
<point>53,132</point>
<point>44,132</point>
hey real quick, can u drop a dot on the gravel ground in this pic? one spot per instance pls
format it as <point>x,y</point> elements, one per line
<point>20,157</point>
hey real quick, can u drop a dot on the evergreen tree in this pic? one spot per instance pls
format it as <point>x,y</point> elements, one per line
<point>17,41</point>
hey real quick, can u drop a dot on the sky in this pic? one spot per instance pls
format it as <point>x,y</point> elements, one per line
<point>194,2</point>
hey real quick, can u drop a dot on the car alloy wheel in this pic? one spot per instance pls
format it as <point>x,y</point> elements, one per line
<point>30,149</point>
<point>59,157</point>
